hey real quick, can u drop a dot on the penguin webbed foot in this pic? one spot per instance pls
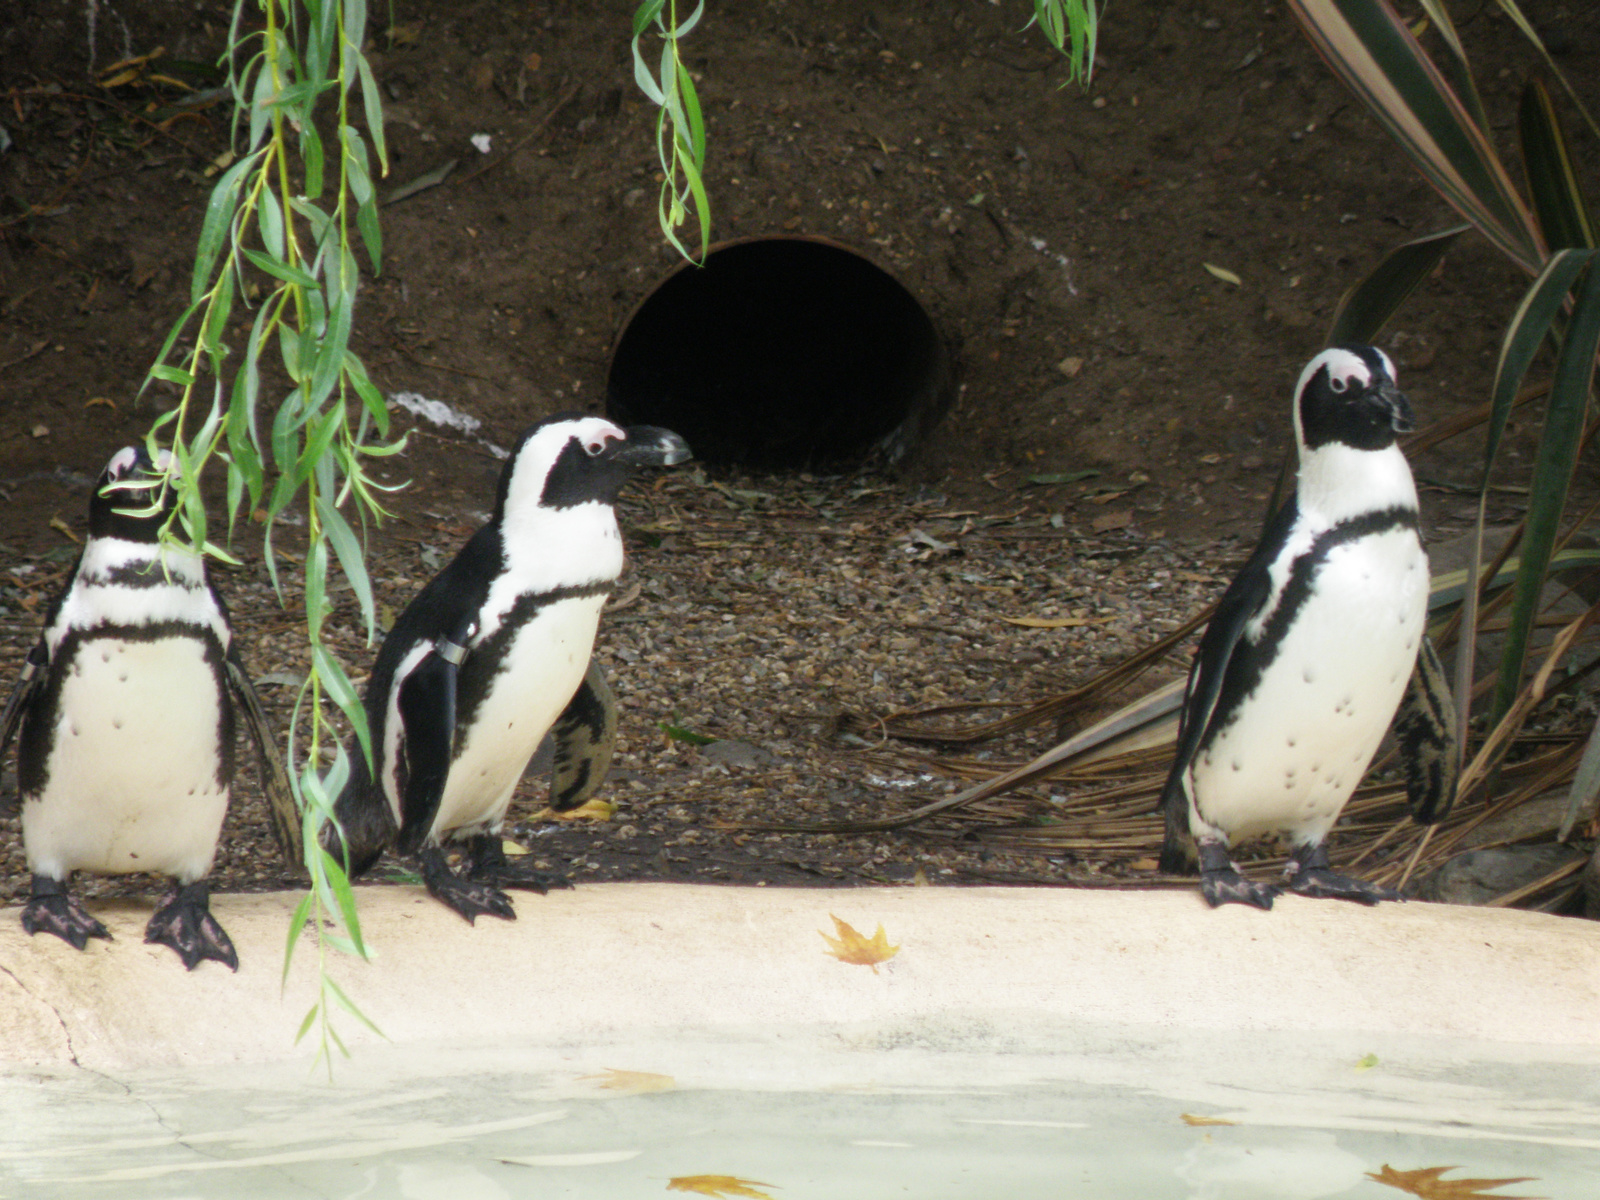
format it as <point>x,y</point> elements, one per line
<point>1310,874</point>
<point>1221,882</point>
<point>185,923</point>
<point>53,909</point>
<point>487,863</point>
<point>470,897</point>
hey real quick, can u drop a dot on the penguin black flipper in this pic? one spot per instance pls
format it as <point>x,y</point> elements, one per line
<point>1240,604</point>
<point>30,680</point>
<point>1425,730</point>
<point>281,808</point>
<point>584,738</point>
<point>428,717</point>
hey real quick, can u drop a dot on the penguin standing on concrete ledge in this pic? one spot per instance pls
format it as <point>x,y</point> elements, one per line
<point>1312,649</point>
<point>487,658</point>
<point>127,712</point>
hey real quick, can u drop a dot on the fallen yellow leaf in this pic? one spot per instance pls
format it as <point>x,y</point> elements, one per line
<point>1424,1182</point>
<point>1223,274</point>
<point>1192,1119</point>
<point>719,1185</point>
<point>851,947</point>
<point>594,809</point>
<point>633,1082</point>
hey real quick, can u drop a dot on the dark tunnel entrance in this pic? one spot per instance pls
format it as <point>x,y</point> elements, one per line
<point>783,353</point>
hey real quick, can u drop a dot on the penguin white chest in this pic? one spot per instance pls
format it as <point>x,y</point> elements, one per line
<point>1300,742</point>
<point>539,671</point>
<point>132,771</point>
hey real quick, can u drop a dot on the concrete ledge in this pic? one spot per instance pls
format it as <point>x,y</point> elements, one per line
<point>621,960</point>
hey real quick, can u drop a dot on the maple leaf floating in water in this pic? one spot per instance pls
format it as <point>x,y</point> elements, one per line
<point>1425,1183</point>
<point>719,1185</point>
<point>851,947</point>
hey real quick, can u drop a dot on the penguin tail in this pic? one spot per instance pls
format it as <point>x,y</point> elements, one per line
<point>359,832</point>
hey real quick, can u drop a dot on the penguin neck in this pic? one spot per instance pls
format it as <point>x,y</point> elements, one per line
<point>548,548</point>
<point>110,559</point>
<point>1338,482</point>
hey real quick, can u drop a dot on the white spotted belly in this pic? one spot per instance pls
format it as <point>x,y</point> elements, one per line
<point>1302,742</point>
<point>542,669</point>
<point>132,775</point>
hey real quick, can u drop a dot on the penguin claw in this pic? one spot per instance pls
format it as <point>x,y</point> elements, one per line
<point>472,898</point>
<point>1227,886</point>
<point>528,880</point>
<point>60,914</point>
<point>185,924</point>
<point>1320,883</point>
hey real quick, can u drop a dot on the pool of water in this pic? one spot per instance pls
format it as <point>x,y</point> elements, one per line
<point>948,1109</point>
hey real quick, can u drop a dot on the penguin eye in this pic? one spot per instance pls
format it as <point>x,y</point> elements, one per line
<point>1337,385</point>
<point>593,446</point>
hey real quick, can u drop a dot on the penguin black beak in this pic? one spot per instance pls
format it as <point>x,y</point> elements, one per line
<point>648,446</point>
<point>1393,406</point>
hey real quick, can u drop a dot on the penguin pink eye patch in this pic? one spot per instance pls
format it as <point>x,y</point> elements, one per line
<point>597,442</point>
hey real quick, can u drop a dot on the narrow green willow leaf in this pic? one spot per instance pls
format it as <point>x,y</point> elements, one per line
<point>685,26</point>
<point>297,924</point>
<point>372,106</point>
<point>696,122</point>
<point>371,234</point>
<point>642,77</point>
<point>1370,48</point>
<point>316,589</point>
<point>260,106</point>
<point>215,226</point>
<point>313,216</point>
<point>1552,475</point>
<point>178,327</point>
<point>371,398</point>
<point>216,322</point>
<point>1552,180</point>
<point>271,224</point>
<point>352,561</point>
<point>279,269</point>
<point>1530,325</point>
<point>321,431</point>
<point>344,1002</point>
<point>355,153</point>
<point>341,691</point>
<point>329,362</point>
<point>305,1025</point>
<point>175,375</point>
<point>1367,307</point>
<point>312,158</point>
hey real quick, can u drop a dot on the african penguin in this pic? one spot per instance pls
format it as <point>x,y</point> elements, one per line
<point>488,657</point>
<point>1311,650</point>
<point>127,712</point>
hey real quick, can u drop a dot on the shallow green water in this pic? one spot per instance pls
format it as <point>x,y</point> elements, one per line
<point>954,1112</point>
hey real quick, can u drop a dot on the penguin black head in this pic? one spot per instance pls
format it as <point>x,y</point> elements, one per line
<point>120,506</point>
<point>1347,395</point>
<point>572,459</point>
